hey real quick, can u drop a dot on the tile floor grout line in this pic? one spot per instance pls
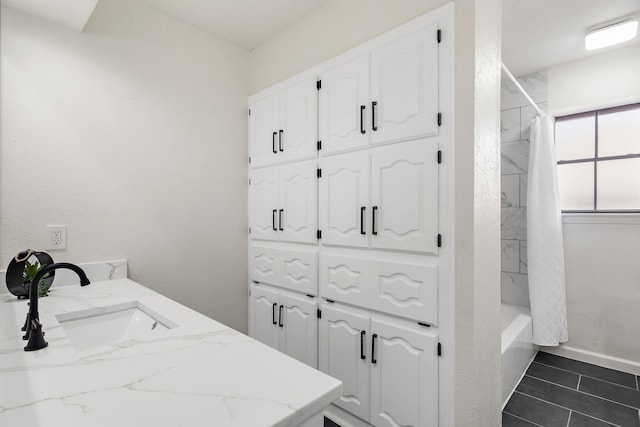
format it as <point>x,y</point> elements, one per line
<point>523,419</point>
<point>590,376</point>
<point>579,379</point>
<point>583,392</point>
<point>569,409</point>
<point>569,420</point>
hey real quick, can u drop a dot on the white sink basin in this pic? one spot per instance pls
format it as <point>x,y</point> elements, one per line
<point>96,327</point>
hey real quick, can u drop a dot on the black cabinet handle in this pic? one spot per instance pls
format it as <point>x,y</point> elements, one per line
<point>362,107</point>
<point>280,316</point>
<point>273,219</point>
<point>273,313</point>
<point>362,355</point>
<point>280,139</point>
<point>273,143</point>
<point>373,115</point>
<point>362,209</point>
<point>373,348</point>
<point>373,221</point>
<point>280,220</point>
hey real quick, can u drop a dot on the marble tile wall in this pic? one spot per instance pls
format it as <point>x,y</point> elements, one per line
<point>516,116</point>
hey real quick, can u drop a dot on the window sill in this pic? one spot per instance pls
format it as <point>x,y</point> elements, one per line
<point>601,218</point>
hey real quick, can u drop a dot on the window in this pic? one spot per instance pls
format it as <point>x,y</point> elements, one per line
<point>598,156</point>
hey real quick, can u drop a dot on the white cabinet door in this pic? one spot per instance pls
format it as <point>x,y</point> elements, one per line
<point>404,197</point>
<point>263,204</point>
<point>345,355</point>
<point>299,329</point>
<point>404,87</point>
<point>263,128</point>
<point>297,134</point>
<point>299,270</point>
<point>404,377</point>
<point>344,116</point>
<point>264,317</point>
<point>297,212</point>
<point>265,265</point>
<point>344,199</point>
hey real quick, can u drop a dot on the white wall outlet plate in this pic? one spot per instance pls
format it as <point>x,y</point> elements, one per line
<point>55,237</point>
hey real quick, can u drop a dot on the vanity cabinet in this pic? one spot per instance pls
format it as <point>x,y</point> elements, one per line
<point>385,198</point>
<point>283,203</point>
<point>285,322</point>
<point>387,95</point>
<point>389,369</point>
<point>282,127</point>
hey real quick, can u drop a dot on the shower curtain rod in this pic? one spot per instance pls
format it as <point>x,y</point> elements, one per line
<point>521,89</point>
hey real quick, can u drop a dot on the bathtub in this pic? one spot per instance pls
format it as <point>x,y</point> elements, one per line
<point>517,347</point>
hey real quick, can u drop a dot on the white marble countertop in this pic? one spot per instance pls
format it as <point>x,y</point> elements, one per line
<point>197,373</point>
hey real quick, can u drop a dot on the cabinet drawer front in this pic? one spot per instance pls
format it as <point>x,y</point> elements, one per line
<point>285,267</point>
<point>404,289</point>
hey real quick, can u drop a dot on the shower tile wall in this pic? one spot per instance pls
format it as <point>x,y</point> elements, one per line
<point>516,115</point>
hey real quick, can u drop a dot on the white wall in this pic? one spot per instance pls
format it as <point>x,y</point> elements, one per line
<point>602,255</point>
<point>133,134</point>
<point>600,81</point>
<point>339,25</point>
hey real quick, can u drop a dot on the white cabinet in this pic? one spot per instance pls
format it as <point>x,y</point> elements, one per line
<point>286,322</point>
<point>388,95</point>
<point>282,127</point>
<point>283,203</point>
<point>404,87</point>
<point>286,266</point>
<point>389,370</point>
<point>384,198</point>
<point>404,287</point>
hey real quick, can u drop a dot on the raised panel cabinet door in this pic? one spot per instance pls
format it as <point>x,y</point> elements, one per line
<point>263,131</point>
<point>263,204</point>
<point>404,377</point>
<point>297,135</point>
<point>344,119</point>
<point>404,197</point>
<point>297,213</point>
<point>299,270</point>
<point>265,264</point>
<point>345,355</point>
<point>344,199</point>
<point>264,319</point>
<point>299,329</point>
<point>346,278</point>
<point>404,87</point>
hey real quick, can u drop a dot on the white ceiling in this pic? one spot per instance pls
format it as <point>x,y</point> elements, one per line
<point>70,13</point>
<point>247,23</point>
<point>537,34</point>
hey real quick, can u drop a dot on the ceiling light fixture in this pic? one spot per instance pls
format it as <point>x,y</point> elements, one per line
<point>612,33</point>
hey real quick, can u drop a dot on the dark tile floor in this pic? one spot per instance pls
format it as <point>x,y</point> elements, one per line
<point>329,423</point>
<point>561,392</point>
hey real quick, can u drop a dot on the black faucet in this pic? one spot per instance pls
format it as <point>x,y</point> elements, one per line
<point>32,325</point>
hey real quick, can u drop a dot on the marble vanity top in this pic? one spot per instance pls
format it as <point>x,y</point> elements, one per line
<point>199,372</point>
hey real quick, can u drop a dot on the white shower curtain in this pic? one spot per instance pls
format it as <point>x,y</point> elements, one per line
<point>545,252</point>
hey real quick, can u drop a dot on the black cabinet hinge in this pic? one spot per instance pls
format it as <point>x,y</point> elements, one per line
<point>310,296</point>
<point>319,84</point>
<point>439,240</point>
<point>249,230</point>
<point>319,314</point>
<point>439,349</point>
<point>330,300</point>
<point>439,36</point>
<point>426,325</point>
<point>249,159</point>
<point>439,156</point>
<point>319,145</point>
<point>319,173</point>
<point>249,111</point>
<point>439,119</point>
<point>319,234</point>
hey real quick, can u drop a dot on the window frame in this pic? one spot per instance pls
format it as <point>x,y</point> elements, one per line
<point>595,159</point>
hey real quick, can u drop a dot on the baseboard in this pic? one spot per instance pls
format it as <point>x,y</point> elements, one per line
<point>599,359</point>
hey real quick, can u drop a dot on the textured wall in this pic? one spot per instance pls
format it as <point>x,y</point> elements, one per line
<point>133,134</point>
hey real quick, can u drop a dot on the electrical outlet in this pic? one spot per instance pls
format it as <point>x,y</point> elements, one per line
<point>55,237</point>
